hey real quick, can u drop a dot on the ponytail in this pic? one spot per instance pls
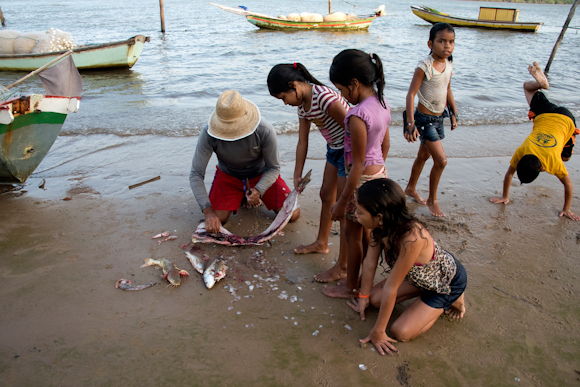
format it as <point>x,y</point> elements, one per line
<point>355,64</point>
<point>281,75</point>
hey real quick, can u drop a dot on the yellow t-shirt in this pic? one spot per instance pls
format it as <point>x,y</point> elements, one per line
<point>550,134</point>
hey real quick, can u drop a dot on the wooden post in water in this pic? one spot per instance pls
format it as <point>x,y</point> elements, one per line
<point>162,16</point>
<point>570,15</point>
<point>2,18</point>
<point>329,6</point>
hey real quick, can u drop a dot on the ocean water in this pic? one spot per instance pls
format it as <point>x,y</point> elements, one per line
<point>172,89</point>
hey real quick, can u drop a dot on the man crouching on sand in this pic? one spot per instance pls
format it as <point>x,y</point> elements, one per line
<point>247,151</point>
<point>549,145</point>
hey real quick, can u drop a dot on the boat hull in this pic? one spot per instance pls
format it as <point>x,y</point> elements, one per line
<point>27,139</point>
<point>460,22</point>
<point>287,25</point>
<point>122,54</point>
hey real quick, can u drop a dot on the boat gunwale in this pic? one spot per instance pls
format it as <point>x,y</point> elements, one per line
<point>530,24</point>
<point>129,42</point>
<point>288,24</point>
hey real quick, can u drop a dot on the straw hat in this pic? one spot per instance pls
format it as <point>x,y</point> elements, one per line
<point>233,118</point>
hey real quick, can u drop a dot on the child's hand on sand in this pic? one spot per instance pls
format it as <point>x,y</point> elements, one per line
<point>569,214</point>
<point>498,200</point>
<point>359,306</point>
<point>382,342</point>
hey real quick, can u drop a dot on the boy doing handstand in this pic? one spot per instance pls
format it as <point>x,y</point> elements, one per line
<point>549,144</point>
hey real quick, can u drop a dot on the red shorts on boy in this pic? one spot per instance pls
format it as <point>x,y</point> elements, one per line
<point>227,192</point>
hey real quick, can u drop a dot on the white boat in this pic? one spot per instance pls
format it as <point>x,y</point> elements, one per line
<point>121,54</point>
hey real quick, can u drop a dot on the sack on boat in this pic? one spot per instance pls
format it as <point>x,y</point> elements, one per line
<point>54,40</point>
<point>7,38</point>
<point>311,17</point>
<point>294,17</point>
<point>283,17</point>
<point>24,44</point>
<point>335,16</point>
<point>351,17</point>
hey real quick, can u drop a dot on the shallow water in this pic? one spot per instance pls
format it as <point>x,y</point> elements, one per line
<point>173,87</point>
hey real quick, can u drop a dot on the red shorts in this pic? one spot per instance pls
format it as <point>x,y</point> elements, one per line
<point>227,192</point>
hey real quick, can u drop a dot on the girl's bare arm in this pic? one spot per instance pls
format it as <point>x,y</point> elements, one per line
<point>358,142</point>
<point>451,103</point>
<point>338,113</point>
<point>301,149</point>
<point>411,132</point>
<point>386,144</point>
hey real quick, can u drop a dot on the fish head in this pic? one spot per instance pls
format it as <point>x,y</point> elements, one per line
<point>173,277</point>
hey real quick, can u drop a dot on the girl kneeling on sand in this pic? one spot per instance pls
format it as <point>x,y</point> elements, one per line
<point>418,268</point>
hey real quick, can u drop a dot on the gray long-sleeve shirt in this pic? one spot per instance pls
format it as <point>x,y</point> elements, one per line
<point>249,157</point>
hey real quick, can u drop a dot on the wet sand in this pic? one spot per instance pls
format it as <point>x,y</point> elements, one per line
<point>62,321</point>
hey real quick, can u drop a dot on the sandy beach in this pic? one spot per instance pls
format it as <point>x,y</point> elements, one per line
<point>63,323</point>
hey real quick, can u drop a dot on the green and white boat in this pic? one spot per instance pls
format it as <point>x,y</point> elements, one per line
<point>121,54</point>
<point>29,125</point>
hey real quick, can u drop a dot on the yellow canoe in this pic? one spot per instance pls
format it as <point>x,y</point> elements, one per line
<point>434,16</point>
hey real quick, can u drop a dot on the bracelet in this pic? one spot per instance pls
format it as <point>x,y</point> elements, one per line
<point>410,123</point>
<point>360,295</point>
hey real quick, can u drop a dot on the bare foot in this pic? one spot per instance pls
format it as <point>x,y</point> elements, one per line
<point>415,195</point>
<point>332,274</point>
<point>538,75</point>
<point>457,309</point>
<point>338,291</point>
<point>435,210</point>
<point>315,247</point>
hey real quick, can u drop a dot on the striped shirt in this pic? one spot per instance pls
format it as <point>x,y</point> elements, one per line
<point>322,98</point>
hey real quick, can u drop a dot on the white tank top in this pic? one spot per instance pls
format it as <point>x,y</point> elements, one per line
<point>433,91</point>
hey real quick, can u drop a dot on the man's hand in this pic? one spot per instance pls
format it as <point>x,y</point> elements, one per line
<point>212,221</point>
<point>253,198</point>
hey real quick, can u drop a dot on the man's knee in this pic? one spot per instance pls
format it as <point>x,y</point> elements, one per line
<point>295,215</point>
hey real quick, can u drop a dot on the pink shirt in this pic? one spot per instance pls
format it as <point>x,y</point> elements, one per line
<point>377,120</point>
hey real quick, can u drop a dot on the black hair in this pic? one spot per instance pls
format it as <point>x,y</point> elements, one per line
<point>438,27</point>
<point>281,75</point>
<point>356,64</point>
<point>529,167</point>
<point>384,196</point>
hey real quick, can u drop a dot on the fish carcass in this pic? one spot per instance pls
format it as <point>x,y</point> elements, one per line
<point>125,284</point>
<point>170,272</point>
<point>224,237</point>
<point>214,272</point>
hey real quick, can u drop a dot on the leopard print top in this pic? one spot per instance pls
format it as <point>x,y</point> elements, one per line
<point>435,275</point>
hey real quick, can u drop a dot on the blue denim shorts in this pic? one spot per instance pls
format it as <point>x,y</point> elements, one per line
<point>335,157</point>
<point>430,127</point>
<point>444,301</point>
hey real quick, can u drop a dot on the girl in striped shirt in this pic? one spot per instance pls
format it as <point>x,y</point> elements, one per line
<point>295,86</point>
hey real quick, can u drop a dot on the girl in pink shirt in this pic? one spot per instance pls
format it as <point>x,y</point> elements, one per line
<point>360,79</point>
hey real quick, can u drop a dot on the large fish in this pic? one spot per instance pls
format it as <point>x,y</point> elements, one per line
<point>224,237</point>
<point>214,272</point>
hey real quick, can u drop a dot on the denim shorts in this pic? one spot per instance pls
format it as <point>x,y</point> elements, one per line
<point>444,301</point>
<point>430,127</point>
<point>335,157</point>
